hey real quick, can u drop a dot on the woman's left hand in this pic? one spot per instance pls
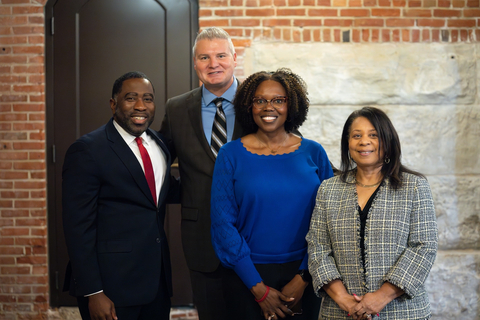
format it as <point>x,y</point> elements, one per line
<point>295,289</point>
<point>373,303</point>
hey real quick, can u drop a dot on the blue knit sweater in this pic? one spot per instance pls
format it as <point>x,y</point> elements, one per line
<point>261,205</point>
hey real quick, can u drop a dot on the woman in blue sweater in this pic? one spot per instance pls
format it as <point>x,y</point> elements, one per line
<point>263,194</point>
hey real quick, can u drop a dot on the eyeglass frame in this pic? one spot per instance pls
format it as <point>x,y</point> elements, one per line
<point>284,98</point>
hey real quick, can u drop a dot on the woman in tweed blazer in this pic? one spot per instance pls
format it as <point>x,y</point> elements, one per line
<point>373,235</point>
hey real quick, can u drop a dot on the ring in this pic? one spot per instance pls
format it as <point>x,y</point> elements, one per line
<point>270,317</point>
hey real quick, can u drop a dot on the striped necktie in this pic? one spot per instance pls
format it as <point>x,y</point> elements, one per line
<point>219,129</point>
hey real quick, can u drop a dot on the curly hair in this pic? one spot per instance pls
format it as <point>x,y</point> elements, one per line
<point>297,100</point>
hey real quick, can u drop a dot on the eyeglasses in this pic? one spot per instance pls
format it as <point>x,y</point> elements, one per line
<point>277,102</point>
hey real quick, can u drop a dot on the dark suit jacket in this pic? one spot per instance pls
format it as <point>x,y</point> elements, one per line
<point>113,230</point>
<point>183,129</point>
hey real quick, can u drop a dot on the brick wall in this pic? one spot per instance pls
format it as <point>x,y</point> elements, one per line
<point>23,219</point>
<point>23,233</point>
<point>356,21</point>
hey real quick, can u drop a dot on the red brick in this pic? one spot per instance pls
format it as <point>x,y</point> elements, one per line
<point>461,23</point>
<point>10,175</point>
<point>32,280</point>
<point>384,3</point>
<point>14,195</point>
<point>426,35</point>
<point>463,35</point>
<point>260,12</point>
<point>8,298</point>
<point>30,185</point>
<point>29,145</point>
<point>375,35</point>
<point>213,23</point>
<point>369,3</point>
<point>338,22</point>
<point>365,35</point>
<point>355,3</point>
<point>307,37</point>
<point>37,175</point>
<point>296,35</point>
<point>229,13</point>
<point>399,3</point>
<point>286,34</point>
<point>444,13</point>
<point>13,136</point>
<point>386,12</point>
<point>29,204</point>
<point>400,22</point>
<point>355,35</point>
<point>34,260</point>
<point>473,3</point>
<point>245,22</point>
<point>327,35</point>
<point>337,35</point>
<point>354,13</point>
<point>28,69</point>
<point>5,126</point>
<point>28,107</point>
<point>415,35</point>
<point>435,35</point>
<point>6,185</point>
<point>13,40</point>
<point>325,3</point>
<point>317,35</point>
<point>39,250</point>
<point>368,22</point>
<point>36,155</point>
<point>28,126</point>
<point>7,280</point>
<point>6,261</point>
<point>10,251</point>
<point>458,3</point>
<point>38,98</point>
<point>15,270</point>
<point>294,3</point>
<point>307,22</point>
<point>37,242</point>
<point>28,49</point>
<point>14,155</point>
<point>15,213</point>
<point>323,12</point>
<point>436,23</point>
<point>36,20</point>
<point>276,22</point>
<point>290,12</point>
<point>38,232</point>
<point>38,194</point>
<point>471,13</point>
<point>444,3</point>
<point>6,222</point>
<point>11,98</point>
<point>417,13</point>
<point>6,203</point>
<point>36,165</point>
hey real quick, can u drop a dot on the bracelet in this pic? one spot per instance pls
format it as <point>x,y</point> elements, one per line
<point>265,295</point>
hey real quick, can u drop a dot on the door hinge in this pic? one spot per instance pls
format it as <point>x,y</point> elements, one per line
<point>52,26</point>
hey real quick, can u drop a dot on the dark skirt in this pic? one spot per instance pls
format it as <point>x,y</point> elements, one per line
<point>241,304</point>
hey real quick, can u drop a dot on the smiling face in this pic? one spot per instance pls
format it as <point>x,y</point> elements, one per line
<point>270,119</point>
<point>214,63</point>
<point>364,145</point>
<point>134,107</point>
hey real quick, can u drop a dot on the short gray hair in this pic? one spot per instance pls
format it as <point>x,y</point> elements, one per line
<point>212,33</point>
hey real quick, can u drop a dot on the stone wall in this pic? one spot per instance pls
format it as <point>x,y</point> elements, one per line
<point>431,94</point>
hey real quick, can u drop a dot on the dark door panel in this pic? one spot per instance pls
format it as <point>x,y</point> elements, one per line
<point>89,44</point>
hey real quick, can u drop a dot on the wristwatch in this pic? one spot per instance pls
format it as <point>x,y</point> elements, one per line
<point>305,275</point>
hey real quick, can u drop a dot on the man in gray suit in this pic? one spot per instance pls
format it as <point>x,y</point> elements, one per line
<point>187,127</point>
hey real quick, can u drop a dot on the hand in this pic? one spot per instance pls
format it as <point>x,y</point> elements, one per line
<point>101,307</point>
<point>275,304</point>
<point>295,289</point>
<point>370,303</point>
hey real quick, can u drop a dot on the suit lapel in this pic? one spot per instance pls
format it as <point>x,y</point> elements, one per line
<point>194,107</point>
<point>123,151</point>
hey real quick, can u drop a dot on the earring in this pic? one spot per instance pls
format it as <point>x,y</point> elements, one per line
<point>387,160</point>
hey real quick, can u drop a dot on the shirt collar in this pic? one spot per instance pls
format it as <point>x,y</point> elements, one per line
<point>228,95</point>
<point>127,136</point>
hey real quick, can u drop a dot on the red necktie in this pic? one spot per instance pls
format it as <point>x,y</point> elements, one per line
<point>147,165</point>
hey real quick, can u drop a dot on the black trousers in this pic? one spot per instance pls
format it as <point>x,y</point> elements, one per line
<point>241,304</point>
<point>208,295</point>
<point>158,309</point>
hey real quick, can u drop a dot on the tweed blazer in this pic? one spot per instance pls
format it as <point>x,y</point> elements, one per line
<point>400,244</point>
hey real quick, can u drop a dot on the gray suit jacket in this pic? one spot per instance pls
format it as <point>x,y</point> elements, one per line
<point>400,244</point>
<point>182,127</point>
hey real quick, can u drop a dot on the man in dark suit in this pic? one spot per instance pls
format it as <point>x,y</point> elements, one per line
<point>116,181</point>
<point>187,127</point>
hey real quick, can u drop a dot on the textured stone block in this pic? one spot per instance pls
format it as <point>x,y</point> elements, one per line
<point>453,285</point>
<point>387,73</point>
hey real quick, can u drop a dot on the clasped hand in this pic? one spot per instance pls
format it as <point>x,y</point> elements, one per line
<point>364,307</point>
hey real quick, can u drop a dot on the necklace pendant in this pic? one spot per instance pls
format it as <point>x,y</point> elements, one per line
<point>273,151</point>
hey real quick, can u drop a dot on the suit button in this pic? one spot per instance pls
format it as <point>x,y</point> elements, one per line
<point>158,240</point>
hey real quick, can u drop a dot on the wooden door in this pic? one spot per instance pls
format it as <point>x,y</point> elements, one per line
<point>90,43</point>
